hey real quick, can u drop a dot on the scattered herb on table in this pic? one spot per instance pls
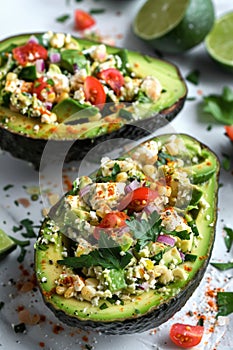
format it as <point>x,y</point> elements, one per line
<point>220,106</point>
<point>228,238</point>
<point>223,266</point>
<point>225,303</point>
<point>193,77</point>
<point>7,187</point>
<point>97,11</point>
<point>20,328</point>
<point>62,18</point>
<point>226,162</point>
<point>1,304</point>
<point>192,98</point>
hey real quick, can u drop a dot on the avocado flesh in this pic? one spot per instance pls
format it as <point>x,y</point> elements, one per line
<point>22,127</point>
<point>151,308</point>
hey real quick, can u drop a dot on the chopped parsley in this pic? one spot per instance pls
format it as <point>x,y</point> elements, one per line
<point>223,266</point>
<point>193,77</point>
<point>63,18</point>
<point>97,11</point>
<point>20,328</point>
<point>220,106</point>
<point>225,303</point>
<point>228,238</point>
<point>7,187</point>
<point>108,256</point>
<point>226,162</point>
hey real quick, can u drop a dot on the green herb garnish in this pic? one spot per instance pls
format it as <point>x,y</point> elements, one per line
<point>228,238</point>
<point>223,266</point>
<point>108,256</point>
<point>220,106</point>
<point>145,231</point>
<point>226,162</point>
<point>62,18</point>
<point>7,187</point>
<point>225,303</point>
<point>103,306</point>
<point>1,304</point>
<point>193,77</point>
<point>190,257</point>
<point>20,328</point>
<point>97,11</point>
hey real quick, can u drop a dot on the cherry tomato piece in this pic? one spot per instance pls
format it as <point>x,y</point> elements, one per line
<point>138,199</point>
<point>42,89</point>
<point>83,20</point>
<point>114,219</point>
<point>186,336</point>
<point>113,78</point>
<point>110,221</point>
<point>29,52</point>
<point>94,91</point>
<point>229,131</point>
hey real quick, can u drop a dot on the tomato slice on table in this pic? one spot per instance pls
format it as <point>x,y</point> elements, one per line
<point>111,220</point>
<point>94,91</point>
<point>113,78</point>
<point>29,52</point>
<point>229,131</point>
<point>83,20</point>
<point>41,85</point>
<point>138,199</point>
<point>186,336</point>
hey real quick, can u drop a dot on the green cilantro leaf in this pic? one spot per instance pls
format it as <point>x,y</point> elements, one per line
<point>223,266</point>
<point>193,77</point>
<point>145,231</point>
<point>108,256</point>
<point>62,18</point>
<point>115,170</point>
<point>226,162</point>
<point>220,106</point>
<point>225,303</point>
<point>228,238</point>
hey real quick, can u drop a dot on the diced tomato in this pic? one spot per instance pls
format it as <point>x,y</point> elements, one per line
<point>94,91</point>
<point>111,220</point>
<point>186,336</point>
<point>83,20</point>
<point>42,89</point>
<point>229,131</point>
<point>29,52</point>
<point>113,78</point>
<point>138,199</point>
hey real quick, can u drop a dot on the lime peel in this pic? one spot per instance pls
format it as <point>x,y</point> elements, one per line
<point>7,245</point>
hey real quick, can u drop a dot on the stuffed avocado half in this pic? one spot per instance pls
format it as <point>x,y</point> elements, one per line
<point>128,245</point>
<point>57,87</point>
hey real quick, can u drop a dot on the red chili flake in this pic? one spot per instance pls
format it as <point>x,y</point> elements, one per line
<point>211,329</point>
<point>41,344</point>
<point>85,338</point>
<point>24,202</point>
<point>200,92</point>
<point>187,268</point>
<point>57,329</point>
<point>67,182</point>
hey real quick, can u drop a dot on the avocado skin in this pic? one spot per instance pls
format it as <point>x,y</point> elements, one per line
<point>138,324</point>
<point>158,315</point>
<point>31,150</point>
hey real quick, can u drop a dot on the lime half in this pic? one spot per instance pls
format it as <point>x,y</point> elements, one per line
<point>6,244</point>
<point>174,26</point>
<point>219,42</point>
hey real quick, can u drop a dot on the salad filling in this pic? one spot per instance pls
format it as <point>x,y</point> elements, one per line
<point>50,73</point>
<point>130,227</point>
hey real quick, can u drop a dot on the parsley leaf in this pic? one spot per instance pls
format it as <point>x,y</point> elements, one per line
<point>228,238</point>
<point>226,162</point>
<point>220,106</point>
<point>145,231</point>
<point>108,256</point>
<point>115,170</point>
<point>193,77</point>
<point>223,266</point>
<point>63,18</point>
<point>225,303</point>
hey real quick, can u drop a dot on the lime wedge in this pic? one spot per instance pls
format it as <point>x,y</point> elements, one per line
<point>174,26</point>
<point>6,244</point>
<point>219,42</point>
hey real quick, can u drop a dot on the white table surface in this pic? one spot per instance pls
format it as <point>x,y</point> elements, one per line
<point>23,16</point>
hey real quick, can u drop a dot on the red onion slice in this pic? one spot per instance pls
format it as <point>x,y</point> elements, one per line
<point>48,105</point>
<point>166,240</point>
<point>33,39</point>
<point>83,191</point>
<point>55,57</point>
<point>132,186</point>
<point>40,65</point>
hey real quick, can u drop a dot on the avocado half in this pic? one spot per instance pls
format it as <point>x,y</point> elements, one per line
<point>152,308</point>
<point>17,133</point>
